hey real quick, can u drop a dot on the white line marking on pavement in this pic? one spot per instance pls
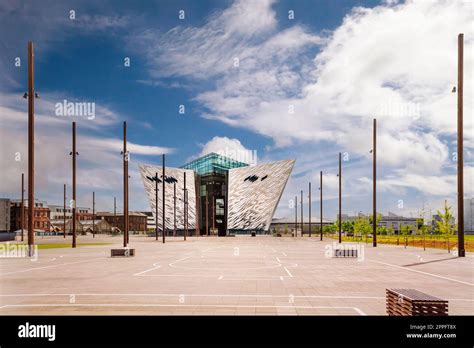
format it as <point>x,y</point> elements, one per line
<point>177,305</point>
<point>284,254</point>
<point>148,270</point>
<point>426,273</point>
<point>287,271</point>
<point>62,264</point>
<point>281,278</point>
<point>207,295</point>
<point>278,259</point>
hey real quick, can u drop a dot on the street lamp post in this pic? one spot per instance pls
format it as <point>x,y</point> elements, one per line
<point>321,204</point>
<point>186,205</point>
<point>340,197</point>
<point>31,150</point>
<point>22,211</point>
<point>163,198</point>
<point>374,232</point>
<point>207,214</point>
<point>185,217</point>
<point>115,212</point>
<point>125,186</point>
<point>309,207</point>
<point>93,214</point>
<point>296,216</point>
<point>461,250</point>
<point>157,180</point>
<point>74,153</point>
<point>301,206</point>
<point>64,210</point>
<point>174,209</point>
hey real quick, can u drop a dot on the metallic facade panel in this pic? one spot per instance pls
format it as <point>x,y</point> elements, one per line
<point>178,174</point>
<point>254,193</point>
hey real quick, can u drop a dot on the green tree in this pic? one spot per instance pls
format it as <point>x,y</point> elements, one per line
<point>446,224</point>
<point>404,230</point>
<point>423,231</point>
<point>382,230</point>
<point>362,227</point>
<point>347,227</point>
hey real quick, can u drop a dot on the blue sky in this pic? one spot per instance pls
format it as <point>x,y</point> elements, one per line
<point>336,65</point>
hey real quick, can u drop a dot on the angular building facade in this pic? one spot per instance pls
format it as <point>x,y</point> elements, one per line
<point>224,196</point>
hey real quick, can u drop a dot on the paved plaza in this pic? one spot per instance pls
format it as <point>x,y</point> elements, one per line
<point>245,275</point>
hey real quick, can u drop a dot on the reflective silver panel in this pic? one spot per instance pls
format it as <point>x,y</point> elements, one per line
<point>172,174</point>
<point>254,193</point>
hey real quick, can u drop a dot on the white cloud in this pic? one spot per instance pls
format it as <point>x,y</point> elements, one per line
<point>99,164</point>
<point>245,31</point>
<point>231,148</point>
<point>394,62</point>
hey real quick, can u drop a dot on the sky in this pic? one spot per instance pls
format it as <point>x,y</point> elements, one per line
<point>296,80</point>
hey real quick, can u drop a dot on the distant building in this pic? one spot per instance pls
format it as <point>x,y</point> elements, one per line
<point>150,220</point>
<point>469,215</point>
<point>397,221</point>
<point>96,226</point>
<point>57,226</point>
<point>390,220</point>
<point>42,215</point>
<point>57,212</point>
<point>137,221</point>
<point>4,215</point>
<point>287,224</point>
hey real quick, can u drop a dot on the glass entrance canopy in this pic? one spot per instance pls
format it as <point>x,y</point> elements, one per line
<point>213,163</point>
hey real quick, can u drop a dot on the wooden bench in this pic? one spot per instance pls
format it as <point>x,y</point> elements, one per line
<point>345,253</point>
<point>411,302</point>
<point>124,252</point>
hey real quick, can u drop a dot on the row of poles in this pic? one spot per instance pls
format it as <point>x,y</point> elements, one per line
<point>460,173</point>
<point>374,159</point>
<point>31,95</point>
<point>156,179</point>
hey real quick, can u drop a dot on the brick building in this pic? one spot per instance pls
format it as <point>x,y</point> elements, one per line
<point>42,215</point>
<point>137,221</point>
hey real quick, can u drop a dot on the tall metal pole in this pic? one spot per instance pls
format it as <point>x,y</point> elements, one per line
<point>93,214</point>
<point>22,211</point>
<point>115,212</point>
<point>340,196</point>
<point>461,250</point>
<point>321,204</point>
<point>296,217</point>
<point>174,209</point>
<point>31,150</point>
<point>64,210</point>
<point>207,214</point>
<point>301,206</point>
<point>125,186</point>
<point>163,193</point>
<point>186,209</point>
<point>213,213</point>
<point>185,218</point>
<point>156,206</point>
<point>374,230</point>
<point>74,153</point>
<point>309,207</point>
